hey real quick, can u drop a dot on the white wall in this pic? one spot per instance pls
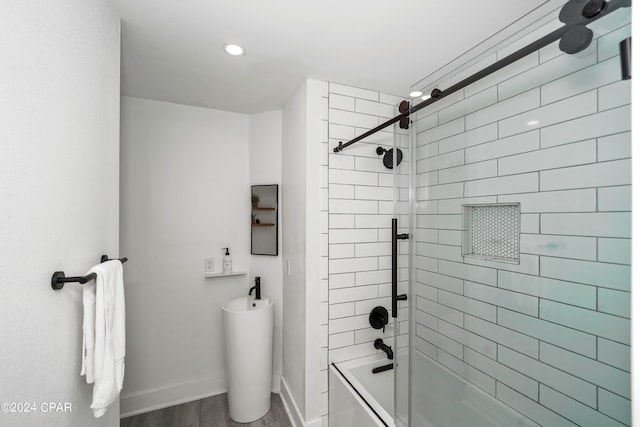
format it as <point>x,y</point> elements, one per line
<point>293,246</point>
<point>316,402</point>
<point>59,114</point>
<point>301,248</point>
<point>265,158</point>
<point>185,195</point>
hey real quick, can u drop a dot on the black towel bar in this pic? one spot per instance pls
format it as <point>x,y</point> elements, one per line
<point>58,279</point>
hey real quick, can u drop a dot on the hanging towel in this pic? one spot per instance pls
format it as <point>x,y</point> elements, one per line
<point>88,330</point>
<point>103,337</point>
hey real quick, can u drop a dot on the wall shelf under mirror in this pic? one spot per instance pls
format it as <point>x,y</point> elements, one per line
<point>234,273</point>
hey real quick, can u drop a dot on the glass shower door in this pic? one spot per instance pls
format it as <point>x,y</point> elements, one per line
<point>400,270</point>
<point>541,335</point>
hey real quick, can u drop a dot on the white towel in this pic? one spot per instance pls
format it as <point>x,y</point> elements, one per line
<point>88,330</point>
<point>104,334</point>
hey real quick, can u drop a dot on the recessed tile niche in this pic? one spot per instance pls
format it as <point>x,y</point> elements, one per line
<point>491,232</point>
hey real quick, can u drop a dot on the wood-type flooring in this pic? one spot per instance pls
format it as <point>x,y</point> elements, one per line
<point>210,412</point>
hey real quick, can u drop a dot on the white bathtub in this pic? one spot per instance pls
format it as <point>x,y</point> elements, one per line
<point>357,397</point>
<point>441,398</point>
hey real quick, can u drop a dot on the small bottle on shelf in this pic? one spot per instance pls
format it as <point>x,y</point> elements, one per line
<point>226,262</point>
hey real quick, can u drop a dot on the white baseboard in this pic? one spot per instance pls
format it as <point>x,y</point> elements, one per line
<point>290,406</point>
<point>314,423</point>
<point>164,397</point>
<point>150,400</point>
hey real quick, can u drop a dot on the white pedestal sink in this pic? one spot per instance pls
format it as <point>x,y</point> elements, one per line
<point>248,339</point>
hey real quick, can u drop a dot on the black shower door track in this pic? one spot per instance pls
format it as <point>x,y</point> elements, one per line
<point>603,9</point>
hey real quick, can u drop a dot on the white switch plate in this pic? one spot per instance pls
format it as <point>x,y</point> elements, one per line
<point>209,265</point>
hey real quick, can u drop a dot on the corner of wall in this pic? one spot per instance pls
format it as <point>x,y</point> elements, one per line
<point>293,205</point>
<point>313,336</point>
<point>302,203</point>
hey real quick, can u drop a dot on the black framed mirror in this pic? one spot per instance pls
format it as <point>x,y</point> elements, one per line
<point>264,220</point>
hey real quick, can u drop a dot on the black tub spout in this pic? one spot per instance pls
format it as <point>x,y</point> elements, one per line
<point>380,345</point>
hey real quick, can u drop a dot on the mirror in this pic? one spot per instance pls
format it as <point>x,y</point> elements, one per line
<point>264,219</point>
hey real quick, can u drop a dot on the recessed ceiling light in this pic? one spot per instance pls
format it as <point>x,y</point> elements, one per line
<point>415,93</point>
<point>233,49</point>
<point>533,122</point>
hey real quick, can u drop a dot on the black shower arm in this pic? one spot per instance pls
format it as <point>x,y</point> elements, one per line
<point>436,94</point>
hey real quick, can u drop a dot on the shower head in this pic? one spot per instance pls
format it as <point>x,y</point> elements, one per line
<point>387,160</point>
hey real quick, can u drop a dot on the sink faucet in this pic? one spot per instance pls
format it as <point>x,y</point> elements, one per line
<point>256,287</point>
<point>380,345</point>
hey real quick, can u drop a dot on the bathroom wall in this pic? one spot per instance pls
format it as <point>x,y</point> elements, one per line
<point>310,178</point>
<point>185,186</point>
<point>550,335</point>
<point>293,247</point>
<point>59,114</point>
<point>323,230</point>
<point>265,167</point>
<point>301,248</point>
<point>357,209</point>
<point>360,209</point>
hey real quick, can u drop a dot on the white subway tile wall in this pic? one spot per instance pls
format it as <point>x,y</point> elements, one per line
<point>361,206</point>
<point>549,337</point>
<point>329,254</point>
